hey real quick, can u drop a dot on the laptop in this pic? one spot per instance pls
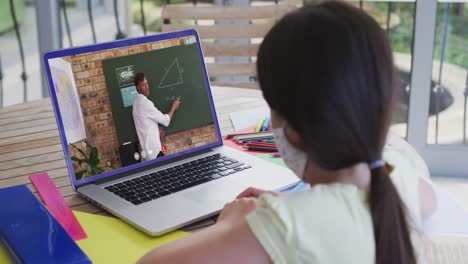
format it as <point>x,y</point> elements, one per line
<point>92,89</point>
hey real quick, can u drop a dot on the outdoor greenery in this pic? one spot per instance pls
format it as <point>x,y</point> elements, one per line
<point>6,22</point>
<point>152,10</point>
<point>456,51</point>
<point>401,36</point>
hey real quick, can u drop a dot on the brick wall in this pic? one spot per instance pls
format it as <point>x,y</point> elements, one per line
<point>96,108</point>
<point>198,137</point>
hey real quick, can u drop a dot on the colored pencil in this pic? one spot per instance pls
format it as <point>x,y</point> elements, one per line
<point>259,126</point>
<point>261,140</point>
<point>260,145</point>
<point>252,140</point>
<point>250,136</point>
<point>229,136</point>
<point>259,137</point>
<point>266,124</point>
<point>266,149</point>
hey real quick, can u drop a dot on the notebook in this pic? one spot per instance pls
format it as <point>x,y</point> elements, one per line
<point>30,234</point>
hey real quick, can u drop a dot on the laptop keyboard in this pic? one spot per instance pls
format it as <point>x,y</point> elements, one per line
<point>158,184</point>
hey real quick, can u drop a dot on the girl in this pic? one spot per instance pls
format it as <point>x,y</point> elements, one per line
<point>327,74</point>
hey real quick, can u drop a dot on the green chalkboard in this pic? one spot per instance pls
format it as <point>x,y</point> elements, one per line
<point>171,73</point>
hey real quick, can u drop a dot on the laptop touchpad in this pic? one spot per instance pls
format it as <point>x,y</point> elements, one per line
<point>214,192</point>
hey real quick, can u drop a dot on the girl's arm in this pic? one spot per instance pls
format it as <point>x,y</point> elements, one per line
<point>228,241</point>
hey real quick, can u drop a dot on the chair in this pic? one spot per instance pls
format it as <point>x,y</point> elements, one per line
<point>213,37</point>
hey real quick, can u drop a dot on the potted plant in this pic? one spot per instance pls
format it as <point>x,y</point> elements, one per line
<point>90,161</point>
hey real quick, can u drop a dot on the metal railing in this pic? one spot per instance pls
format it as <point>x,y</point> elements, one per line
<point>438,92</point>
<point>120,34</point>
<point>91,21</point>
<point>143,20</point>
<point>435,92</point>
<point>465,94</point>
<point>389,14</point>
<point>439,88</point>
<point>23,75</point>
<point>20,45</point>
<point>67,23</point>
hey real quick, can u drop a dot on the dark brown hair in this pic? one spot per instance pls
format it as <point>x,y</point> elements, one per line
<point>139,77</point>
<point>328,70</point>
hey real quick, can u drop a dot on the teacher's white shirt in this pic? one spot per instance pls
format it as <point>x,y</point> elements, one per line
<point>146,117</point>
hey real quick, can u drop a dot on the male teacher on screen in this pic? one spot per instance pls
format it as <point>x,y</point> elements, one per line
<point>147,117</point>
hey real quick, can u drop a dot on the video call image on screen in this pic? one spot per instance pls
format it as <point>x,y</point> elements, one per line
<point>116,104</point>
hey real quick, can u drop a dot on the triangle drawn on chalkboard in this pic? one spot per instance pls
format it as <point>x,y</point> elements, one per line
<point>172,76</point>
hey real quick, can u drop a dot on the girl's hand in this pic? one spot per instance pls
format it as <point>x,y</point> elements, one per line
<point>236,211</point>
<point>255,193</point>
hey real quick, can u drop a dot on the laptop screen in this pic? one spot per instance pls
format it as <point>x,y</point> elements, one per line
<point>131,103</point>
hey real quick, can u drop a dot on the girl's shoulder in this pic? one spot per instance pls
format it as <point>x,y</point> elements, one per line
<point>329,223</point>
<point>322,202</point>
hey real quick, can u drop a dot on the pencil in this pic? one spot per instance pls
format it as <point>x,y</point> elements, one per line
<point>266,124</point>
<point>232,135</point>
<point>252,140</point>
<point>260,135</point>
<point>266,149</point>
<point>260,144</point>
<point>259,126</point>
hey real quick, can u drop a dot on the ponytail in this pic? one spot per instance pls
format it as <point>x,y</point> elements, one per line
<point>391,229</point>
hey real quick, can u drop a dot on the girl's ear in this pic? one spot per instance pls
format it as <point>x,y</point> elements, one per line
<point>276,120</point>
<point>293,136</point>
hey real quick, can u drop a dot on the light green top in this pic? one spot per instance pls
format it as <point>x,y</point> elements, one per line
<point>331,223</point>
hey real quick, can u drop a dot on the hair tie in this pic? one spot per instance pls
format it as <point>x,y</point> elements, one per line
<point>376,164</point>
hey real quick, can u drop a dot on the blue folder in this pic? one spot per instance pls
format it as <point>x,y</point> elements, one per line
<point>30,234</point>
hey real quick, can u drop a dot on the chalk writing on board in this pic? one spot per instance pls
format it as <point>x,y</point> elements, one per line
<point>172,98</point>
<point>172,76</point>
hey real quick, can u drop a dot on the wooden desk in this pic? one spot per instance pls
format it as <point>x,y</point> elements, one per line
<point>30,143</point>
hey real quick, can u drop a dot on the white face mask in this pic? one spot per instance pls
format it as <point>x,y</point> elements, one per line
<point>295,159</point>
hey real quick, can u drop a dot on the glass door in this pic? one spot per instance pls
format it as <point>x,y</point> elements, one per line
<point>396,17</point>
<point>438,102</point>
